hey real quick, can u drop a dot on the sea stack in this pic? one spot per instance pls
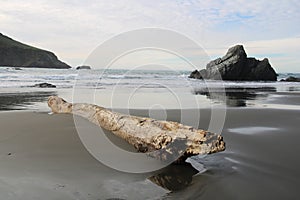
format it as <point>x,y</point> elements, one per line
<point>236,66</point>
<point>17,54</point>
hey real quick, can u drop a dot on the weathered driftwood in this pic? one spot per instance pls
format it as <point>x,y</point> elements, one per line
<point>146,134</point>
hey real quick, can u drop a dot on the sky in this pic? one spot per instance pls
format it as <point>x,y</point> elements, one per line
<point>73,29</point>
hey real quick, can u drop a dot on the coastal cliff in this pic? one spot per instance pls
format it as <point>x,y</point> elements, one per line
<point>17,54</point>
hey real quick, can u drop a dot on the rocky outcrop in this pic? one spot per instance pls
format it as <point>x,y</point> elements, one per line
<point>162,140</point>
<point>44,85</point>
<point>17,68</point>
<point>83,67</point>
<point>236,66</point>
<point>195,74</point>
<point>291,79</point>
<point>198,74</point>
<point>16,54</point>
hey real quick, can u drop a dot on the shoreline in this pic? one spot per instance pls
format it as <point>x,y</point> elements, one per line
<point>254,98</point>
<point>43,157</point>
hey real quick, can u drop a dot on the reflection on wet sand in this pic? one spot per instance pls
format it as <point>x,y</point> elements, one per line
<point>19,101</point>
<point>235,96</point>
<point>174,177</point>
<point>293,88</point>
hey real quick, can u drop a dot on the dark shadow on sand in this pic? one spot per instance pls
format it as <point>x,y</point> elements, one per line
<point>174,177</point>
<point>293,89</point>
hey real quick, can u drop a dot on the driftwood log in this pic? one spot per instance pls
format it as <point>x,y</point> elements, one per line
<point>145,134</point>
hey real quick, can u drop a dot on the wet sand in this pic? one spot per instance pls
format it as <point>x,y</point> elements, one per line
<point>42,157</point>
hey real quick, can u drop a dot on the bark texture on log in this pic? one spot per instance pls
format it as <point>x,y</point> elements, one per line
<point>146,134</point>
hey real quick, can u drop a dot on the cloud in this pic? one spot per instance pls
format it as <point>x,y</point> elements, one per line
<point>73,29</point>
<point>282,53</point>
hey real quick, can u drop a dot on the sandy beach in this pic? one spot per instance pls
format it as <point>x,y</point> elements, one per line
<point>42,157</point>
<point>224,75</point>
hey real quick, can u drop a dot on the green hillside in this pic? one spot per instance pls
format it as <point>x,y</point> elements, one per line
<point>17,54</point>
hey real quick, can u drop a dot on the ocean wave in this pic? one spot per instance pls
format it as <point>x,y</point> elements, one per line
<point>123,78</point>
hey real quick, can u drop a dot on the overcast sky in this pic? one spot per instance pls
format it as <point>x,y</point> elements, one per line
<point>73,29</point>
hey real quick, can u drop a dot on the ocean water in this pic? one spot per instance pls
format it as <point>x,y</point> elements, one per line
<point>68,78</point>
<point>119,88</point>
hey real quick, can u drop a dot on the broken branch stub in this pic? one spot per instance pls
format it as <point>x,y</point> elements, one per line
<point>173,140</point>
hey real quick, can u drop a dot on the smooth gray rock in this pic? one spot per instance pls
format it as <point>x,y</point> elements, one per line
<point>236,66</point>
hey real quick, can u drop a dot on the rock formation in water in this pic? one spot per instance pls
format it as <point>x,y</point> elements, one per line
<point>291,79</point>
<point>145,134</point>
<point>16,54</point>
<point>236,66</point>
<point>44,85</point>
<point>83,67</point>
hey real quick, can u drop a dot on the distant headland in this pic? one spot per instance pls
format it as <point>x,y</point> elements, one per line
<point>17,54</point>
